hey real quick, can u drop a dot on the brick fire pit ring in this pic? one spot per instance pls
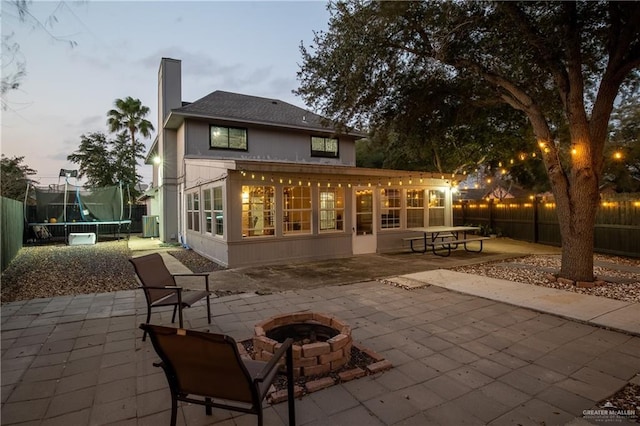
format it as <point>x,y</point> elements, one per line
<point>329,341</point>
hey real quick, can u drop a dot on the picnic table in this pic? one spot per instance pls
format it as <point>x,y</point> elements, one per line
<point>442,239</point>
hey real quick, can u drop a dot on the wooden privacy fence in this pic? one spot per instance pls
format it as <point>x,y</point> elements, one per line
<point>11,228</point>
<point>617,229</point>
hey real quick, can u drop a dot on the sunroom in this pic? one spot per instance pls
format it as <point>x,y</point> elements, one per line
<point>255,212</point>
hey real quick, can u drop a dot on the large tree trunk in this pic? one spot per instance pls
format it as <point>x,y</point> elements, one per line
<point>576,216</point>
<point>576,196</point>
<point>133,156</point>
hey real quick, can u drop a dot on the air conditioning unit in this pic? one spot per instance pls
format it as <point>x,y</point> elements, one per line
<point>150,226</point>
<point>84,238</point>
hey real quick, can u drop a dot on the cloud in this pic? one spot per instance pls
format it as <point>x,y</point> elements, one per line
<point>198,63</point>
<point>92,121</point>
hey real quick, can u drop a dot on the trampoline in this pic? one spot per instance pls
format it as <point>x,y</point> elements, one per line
<point>65,209</point>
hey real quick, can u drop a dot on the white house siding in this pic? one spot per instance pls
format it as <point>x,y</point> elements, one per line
<point>269,250</point>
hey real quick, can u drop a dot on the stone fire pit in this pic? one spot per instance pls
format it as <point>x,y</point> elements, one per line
<point>322,343</point>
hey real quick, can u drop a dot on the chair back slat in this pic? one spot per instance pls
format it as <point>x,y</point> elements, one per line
<point>152,271</point>
<point>206,364</point>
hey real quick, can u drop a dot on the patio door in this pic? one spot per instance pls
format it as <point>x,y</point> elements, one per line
<point>364,235</point>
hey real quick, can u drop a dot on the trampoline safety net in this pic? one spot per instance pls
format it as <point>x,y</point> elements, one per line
<point>71,203</point>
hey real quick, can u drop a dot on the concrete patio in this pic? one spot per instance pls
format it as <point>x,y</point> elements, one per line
<point>458,358</point>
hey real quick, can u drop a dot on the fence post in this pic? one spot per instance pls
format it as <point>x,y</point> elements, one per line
<point>491,213</point>
<point>535,218</point>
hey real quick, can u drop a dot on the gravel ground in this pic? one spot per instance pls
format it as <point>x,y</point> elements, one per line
<point>196,263</point>
<point>620,280</point>
<point>61,270</point>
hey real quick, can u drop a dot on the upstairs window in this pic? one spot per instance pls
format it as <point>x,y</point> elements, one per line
<point>228,138</point>
<point>324,147</point>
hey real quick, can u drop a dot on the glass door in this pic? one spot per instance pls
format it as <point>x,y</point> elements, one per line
<point>364,238</point>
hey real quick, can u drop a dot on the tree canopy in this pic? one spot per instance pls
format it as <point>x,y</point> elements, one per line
<point>15,178</point>
<point>421,69</point>
<point>14,68</point>
<point>106,162</point>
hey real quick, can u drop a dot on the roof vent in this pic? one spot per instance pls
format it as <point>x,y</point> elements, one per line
<point>304,118</point>
<point>274,102</point>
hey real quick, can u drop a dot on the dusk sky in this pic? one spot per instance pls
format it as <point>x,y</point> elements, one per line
<point>243,47</point>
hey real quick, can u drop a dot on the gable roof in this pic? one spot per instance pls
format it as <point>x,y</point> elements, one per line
<point>239,108</point>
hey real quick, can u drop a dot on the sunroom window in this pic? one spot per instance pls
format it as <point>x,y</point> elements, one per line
<point>297,210</point>
<point>193,211</point>
<point>436,207</point>
<point>258,210</point>
<point>390,203</point>
<point>331,209</point>
<point>415,208</point>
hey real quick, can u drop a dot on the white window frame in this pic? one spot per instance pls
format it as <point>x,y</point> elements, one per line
<point>297,210</point>
<point>193,211</point>
<point>206,209</point>
<point>217,199</point>
<point>331,210</point>
<point>258,211</point>
<point>436,202</point>
<point>415,203</point>
<point>389,205</point>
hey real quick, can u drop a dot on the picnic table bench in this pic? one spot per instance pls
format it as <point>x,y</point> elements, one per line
<point>442,239</point>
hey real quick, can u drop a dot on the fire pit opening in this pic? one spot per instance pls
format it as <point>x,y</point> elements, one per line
<point>302,333</point>
<point>322,343</point>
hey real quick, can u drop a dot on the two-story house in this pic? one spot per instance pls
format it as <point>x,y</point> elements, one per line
<point>245,180</point>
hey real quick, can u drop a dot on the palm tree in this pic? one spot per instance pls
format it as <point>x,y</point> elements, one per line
<point>129,114</point>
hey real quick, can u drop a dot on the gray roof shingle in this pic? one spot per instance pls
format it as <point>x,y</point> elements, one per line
<point>252,109</point>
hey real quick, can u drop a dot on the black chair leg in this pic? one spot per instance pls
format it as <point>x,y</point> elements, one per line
<point>173,318</point>
<point>207,407</point>
<point>174,408</point>
<point>290,387</point>
<point>144,335</point>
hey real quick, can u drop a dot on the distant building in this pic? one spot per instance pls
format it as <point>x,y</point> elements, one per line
<point>495,190</point>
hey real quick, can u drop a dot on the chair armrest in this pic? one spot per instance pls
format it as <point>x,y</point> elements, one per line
<point>273,362</point>
<point>191,275</point>
<point>162,287</point>
<point>206,278</point>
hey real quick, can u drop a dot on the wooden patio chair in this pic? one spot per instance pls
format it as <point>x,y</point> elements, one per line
<point>160,289</point>
<point>206,369</point>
